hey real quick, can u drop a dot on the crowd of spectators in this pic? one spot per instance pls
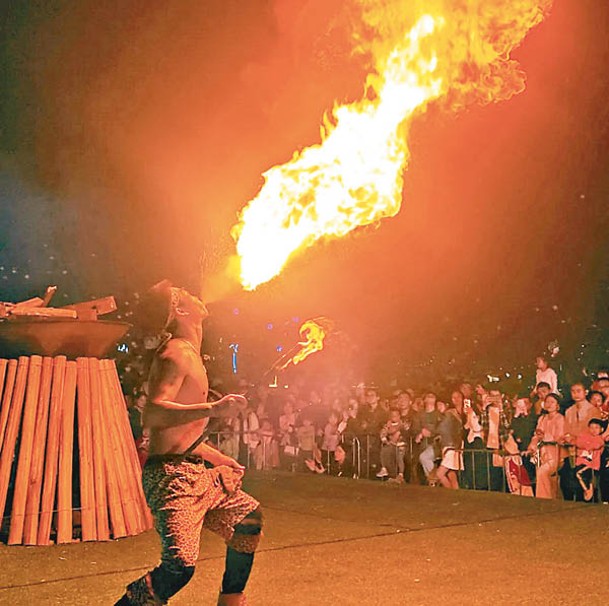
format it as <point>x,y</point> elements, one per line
<point>544,443</point>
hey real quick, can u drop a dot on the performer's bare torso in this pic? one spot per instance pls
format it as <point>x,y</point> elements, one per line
<point>174,431</point>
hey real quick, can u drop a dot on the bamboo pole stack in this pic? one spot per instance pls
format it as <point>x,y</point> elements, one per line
<point>50,410</point>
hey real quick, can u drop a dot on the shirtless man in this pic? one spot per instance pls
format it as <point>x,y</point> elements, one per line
<point>188,484</point>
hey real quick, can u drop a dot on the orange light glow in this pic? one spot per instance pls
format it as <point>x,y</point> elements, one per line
<point>451,51</point>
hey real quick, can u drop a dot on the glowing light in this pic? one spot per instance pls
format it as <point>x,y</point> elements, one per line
<point>457,52</point>
<point>235,349</point>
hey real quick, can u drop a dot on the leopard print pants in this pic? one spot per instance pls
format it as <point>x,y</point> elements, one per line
<point>184,497</point>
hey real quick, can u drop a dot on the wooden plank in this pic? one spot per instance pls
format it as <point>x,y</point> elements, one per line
<point>113,460</point>
<point>99,307</point>
<point>49,293</point>
<point>131,452</point>
<point>49,482</point>
<point>99,469</point>
<point>33,302</point>
<point>85,448</point>
<point>3,367</point>
<point>12,429</point>
<point>32,508</point>
<point>128,485</point>
<point>43,312</point>
<point>7,394</point>
<point>66,452</point>
<point>26,443</point>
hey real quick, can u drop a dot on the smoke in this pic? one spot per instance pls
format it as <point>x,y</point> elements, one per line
<point>137,129</point>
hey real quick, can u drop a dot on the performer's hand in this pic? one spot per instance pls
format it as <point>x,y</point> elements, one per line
<point>237,400</point>
<point>231,405</point>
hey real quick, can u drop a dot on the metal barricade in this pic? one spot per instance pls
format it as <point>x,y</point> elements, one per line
<point>356,457</point>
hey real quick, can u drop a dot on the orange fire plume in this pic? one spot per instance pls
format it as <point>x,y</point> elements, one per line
<point>312,332</point>
<point>454,51</point>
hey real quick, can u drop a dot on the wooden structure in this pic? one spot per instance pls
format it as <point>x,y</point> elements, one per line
<point>68,463</point>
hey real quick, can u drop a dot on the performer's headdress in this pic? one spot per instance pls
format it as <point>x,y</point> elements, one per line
<point>155,310</point>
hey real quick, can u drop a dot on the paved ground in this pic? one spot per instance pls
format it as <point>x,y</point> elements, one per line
<point>338,541</point>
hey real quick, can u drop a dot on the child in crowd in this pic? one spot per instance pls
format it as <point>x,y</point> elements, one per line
<point>545,374</point>
<point>589,446</point>
<point>393,448</point>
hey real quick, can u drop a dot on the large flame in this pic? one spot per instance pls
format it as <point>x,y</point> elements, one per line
<point>457,51</point>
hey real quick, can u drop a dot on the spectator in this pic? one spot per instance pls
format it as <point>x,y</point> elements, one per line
<point>228,437</point>
<point>540,392</point>
<point>250,438</point>
<point>545,446</point>
<point>603,387</point>
<point>604,470</point>
<point>495,426</point>
<point>372,418</point>
<point>590,445</point>
<point>519,471</point>
<point>288,441</point>
<point>467,390</point>
<point>393,448</point>
<point>545,374</point>
<point>266,455</point>
<point>331,439</point>
<point>475,460</point>
<point>576,423</point>
<point>450,432</point>
<point>523,424</point>
<point>308,452</point>
<point>597,400</point>
<point>424,428</point>
<point>457,400</point>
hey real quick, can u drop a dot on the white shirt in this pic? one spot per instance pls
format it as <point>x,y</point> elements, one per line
<point>548,376</point>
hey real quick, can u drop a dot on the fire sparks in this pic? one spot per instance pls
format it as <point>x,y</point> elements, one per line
<point>455,51</point>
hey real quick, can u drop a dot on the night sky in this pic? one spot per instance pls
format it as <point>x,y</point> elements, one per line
<point>132,132</point>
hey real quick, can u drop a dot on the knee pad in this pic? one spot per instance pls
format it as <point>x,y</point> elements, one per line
<point>167,580</point>
<point>247,533</point>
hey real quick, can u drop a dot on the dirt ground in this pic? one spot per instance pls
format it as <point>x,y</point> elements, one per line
<point>339,541</point>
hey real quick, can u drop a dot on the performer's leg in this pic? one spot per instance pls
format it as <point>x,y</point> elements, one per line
<point>238,519</point>
<point>178,501</point>
<point>240,552</point>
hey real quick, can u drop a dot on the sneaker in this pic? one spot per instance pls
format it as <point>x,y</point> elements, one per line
<point>383,473</point>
